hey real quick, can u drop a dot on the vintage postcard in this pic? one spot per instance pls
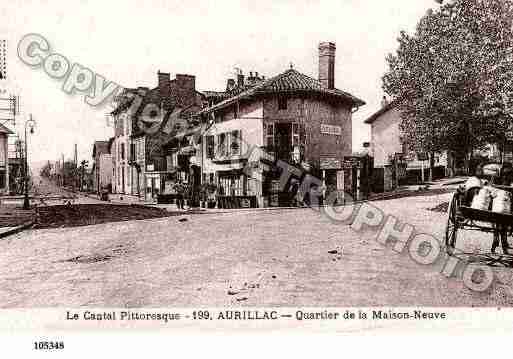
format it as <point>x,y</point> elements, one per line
<point>292,166</point>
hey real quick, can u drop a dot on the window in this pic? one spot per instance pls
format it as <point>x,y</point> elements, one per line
<point>269,136</point>
<point>295,134</point>
<point>210,146</point>
<point>122,151</point>
<point>132,152</point>
<point>169,162</point>
<point>235,143</point>
<point>282,103</point>
<point>221,145</point>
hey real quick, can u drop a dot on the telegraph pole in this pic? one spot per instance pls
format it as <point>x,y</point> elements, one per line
<point>63,170</point>
<point>26,201</point>
<point>75,171</point>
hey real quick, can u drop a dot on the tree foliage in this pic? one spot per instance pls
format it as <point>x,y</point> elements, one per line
<point>453,78</point>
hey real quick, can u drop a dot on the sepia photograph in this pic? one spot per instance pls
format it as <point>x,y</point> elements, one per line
<point>274,165</point>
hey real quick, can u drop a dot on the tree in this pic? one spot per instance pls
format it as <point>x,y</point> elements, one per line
<point>70,174</point>
<point>82,169</point>
<point>453,78</point>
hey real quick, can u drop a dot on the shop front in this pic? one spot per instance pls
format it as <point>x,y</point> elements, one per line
<point>233,190</point>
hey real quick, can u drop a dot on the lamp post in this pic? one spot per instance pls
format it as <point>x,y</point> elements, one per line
<point>26,202</point>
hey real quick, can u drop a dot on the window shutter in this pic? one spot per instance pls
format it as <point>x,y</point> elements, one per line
<point>241,142</point>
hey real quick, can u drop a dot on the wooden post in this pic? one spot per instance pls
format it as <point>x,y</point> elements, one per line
<point>343,186</point>
<point>396,170</point>
<point>422,171</point>
<point>358,195</point>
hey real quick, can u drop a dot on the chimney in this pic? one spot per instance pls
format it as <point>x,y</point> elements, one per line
<point>164,83</point>
<point>327,64</point>
<point>186,89</point>
<point>164,87</point>
<point>240,79</point>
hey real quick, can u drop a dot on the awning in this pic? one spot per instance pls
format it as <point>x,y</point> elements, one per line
<point>228,167</point>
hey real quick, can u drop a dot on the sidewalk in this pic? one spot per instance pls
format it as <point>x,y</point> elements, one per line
<point>118,198</point>
<point>128,199</point>
<point>441,186</point>
<point>12,215</point>
<point>7,231</point>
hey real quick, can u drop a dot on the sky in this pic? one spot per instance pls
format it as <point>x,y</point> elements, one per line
<point>127,42</point>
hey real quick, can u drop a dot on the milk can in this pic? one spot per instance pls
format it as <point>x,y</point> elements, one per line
<point>502,202</point>
<point>482,200</point>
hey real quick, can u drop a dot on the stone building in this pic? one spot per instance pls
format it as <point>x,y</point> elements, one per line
<point>387,145</point>
<point>143,129</point>
<point>291,117</point>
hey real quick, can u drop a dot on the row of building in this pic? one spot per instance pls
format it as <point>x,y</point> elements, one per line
<point>11,162</point>
<point>177,133</point>
<point>174,133</point>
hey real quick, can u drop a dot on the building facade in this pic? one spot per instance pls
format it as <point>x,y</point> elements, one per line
<point>4,159</point>
<point>387,144</point>
<point>144,130</point>
<point>102,166</point>
<point>291,117</point>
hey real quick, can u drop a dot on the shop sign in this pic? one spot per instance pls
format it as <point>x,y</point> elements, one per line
<point>330,163</point>
<point>331,130</point>
<point>351,162</point>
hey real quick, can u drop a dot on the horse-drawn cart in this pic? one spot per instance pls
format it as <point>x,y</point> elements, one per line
<point>461,216</point>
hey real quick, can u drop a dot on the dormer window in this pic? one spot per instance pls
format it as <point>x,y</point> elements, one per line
<point>282,103</point>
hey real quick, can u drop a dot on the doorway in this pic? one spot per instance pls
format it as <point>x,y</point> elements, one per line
<point>283,141</point>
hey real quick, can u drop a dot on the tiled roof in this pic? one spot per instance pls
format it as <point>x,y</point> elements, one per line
<point>4,129</point>
<point>223,95</point>
<point>288,81</point>
<point>381,111</point>
<point>100,147</point>
<point>215,94</point>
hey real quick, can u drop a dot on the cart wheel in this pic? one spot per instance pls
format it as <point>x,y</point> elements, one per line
<point>452,225</point>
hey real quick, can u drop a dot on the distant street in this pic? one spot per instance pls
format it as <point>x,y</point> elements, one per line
<point>255,258</point>
<point>45,187</point>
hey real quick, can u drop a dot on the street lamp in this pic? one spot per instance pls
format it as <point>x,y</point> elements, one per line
<point>31,122</point>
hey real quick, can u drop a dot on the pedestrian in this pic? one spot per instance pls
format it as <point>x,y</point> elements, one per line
<point>179,195</point>
<point>184,188</point>
<point>293,192</point>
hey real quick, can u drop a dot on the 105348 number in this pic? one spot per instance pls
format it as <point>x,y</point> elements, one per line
<point>43,345</point>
